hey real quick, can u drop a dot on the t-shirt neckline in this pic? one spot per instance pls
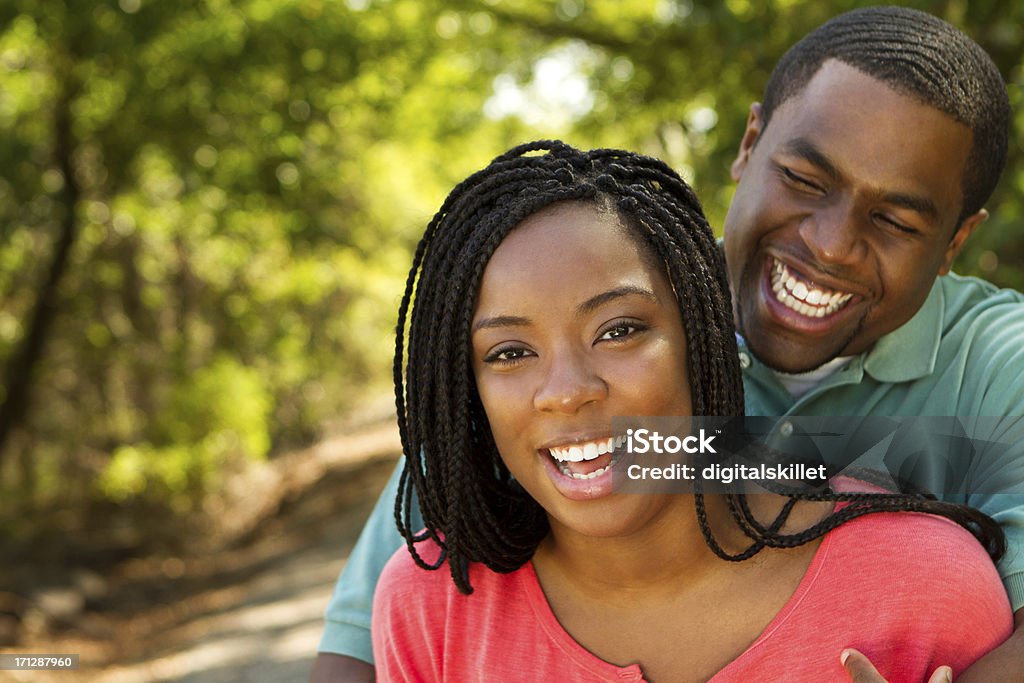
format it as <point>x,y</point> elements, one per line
<point>588,660</point>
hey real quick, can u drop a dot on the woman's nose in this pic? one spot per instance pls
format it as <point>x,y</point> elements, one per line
<point>568,384</point>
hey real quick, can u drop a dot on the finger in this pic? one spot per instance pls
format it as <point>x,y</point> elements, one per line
<point>859,668</point>
<point>943,674</point>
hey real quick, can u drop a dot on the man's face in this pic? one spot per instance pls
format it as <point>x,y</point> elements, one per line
<point>844,214</point>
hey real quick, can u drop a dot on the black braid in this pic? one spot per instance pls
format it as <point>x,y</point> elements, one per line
<point>472,508</point>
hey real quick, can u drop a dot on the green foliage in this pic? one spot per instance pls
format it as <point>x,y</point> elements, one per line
<point>214,418</point>
<point>253,176</point>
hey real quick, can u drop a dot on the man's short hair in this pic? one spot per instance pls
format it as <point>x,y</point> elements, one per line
<point>919,55</point>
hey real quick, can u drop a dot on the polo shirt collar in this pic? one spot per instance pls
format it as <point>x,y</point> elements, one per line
<point>909,352</point>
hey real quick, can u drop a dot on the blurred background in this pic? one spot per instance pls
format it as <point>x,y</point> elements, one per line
<point>207,212</point>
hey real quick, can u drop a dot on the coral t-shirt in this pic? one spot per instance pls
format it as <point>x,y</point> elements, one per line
<point>910,591</point>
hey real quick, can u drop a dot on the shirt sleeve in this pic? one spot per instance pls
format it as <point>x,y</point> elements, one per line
<point>1008,511</point>
<point>347,619</point>
<point>1011,567</point>
<point>410,620</point>
<point>997,480</point>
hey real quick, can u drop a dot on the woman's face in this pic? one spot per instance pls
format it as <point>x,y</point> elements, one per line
<point>574,326</point>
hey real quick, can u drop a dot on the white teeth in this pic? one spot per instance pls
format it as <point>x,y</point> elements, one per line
<point>589,475</point>
<point>563,455</point>
<point>586,451</point>
<point>803,297</point>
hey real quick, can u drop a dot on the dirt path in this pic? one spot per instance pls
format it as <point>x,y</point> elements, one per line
<point>249,614</point>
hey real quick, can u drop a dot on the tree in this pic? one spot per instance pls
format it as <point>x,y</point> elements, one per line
<point>208,207</point>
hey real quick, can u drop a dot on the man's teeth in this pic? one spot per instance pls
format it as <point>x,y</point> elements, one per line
<point>805,297</point>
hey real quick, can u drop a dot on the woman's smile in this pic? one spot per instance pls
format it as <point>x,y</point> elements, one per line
<point>582,469</point>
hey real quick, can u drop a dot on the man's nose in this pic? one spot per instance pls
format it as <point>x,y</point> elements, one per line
<point>569,383</point>
<point>834,234</point>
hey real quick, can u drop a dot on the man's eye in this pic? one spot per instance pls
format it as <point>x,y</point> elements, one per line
<point>895,225</point>
<point>799,180</point>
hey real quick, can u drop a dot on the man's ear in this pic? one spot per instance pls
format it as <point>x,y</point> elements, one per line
<point>750,136</point>
<point>969,225</point>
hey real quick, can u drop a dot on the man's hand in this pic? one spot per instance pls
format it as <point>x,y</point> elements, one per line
<point>340,669</point>
<point>860,670</point>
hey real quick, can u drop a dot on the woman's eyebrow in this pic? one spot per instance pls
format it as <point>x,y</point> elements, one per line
<point>595,302</point>
<point>500,321</point>
<point>588,306</point>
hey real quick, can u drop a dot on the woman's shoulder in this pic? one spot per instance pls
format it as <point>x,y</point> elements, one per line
<point>425,629</point>
<point>410,605</point>
<point>403,579</point>
<point>918,568</point>
<point>914,540</point>
<point>402,575</point>
<point>887,583</point>
<point>917,560</point>
<point>910,539</point>
<point>908,534</point>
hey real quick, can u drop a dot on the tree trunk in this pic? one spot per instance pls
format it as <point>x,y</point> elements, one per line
<point>18,374</point>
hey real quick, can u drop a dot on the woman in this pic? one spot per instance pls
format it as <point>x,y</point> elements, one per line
<point>553,292</point>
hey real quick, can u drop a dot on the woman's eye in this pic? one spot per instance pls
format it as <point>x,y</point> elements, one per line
<point>620,331</point>
<point>507,355</point>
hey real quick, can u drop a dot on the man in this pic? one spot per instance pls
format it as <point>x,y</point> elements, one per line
<point>860,177</point>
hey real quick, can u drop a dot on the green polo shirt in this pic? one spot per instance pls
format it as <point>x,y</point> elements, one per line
<point>961,355</point>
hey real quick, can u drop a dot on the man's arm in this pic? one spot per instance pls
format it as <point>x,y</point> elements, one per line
<point>330,667</point>
<point>1005,663</point>
<point>345,652</point>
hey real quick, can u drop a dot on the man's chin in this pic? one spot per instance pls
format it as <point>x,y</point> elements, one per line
<point>792,359</point>
<point>792,368</point>
<point>792,352</point>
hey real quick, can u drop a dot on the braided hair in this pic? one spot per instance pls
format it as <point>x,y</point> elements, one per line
<point>471,506</point>
<point>921,56</point>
